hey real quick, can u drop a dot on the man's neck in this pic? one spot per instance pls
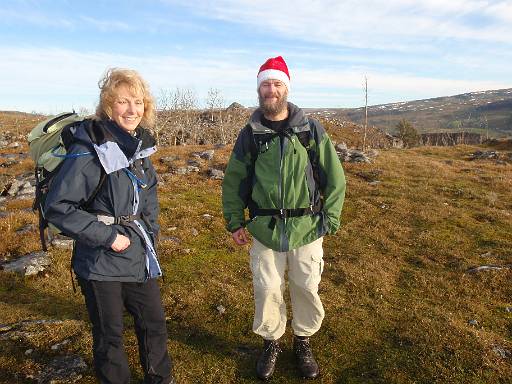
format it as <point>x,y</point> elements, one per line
<point>278,116</point>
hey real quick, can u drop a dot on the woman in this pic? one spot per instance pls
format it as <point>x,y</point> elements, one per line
<point>105,198</point>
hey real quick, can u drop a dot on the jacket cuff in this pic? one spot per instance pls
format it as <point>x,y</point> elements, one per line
<point>111,238</point>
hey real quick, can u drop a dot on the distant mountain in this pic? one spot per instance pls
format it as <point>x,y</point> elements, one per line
<point>486,111</point>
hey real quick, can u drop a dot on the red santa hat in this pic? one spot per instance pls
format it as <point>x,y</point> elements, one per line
<point>274,68</point>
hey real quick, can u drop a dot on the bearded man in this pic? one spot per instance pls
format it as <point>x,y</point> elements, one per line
<point>285,170</point>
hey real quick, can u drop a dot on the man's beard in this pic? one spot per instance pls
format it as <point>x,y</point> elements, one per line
<point>271,108</point>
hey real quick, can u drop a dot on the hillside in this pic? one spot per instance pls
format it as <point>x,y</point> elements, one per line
<point>403,304</point>
<point>472,112</point>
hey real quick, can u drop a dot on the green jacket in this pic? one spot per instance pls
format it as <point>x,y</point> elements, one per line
<point>282,177</point>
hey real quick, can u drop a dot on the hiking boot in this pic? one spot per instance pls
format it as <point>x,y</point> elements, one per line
<point>306,362</point>
<point>267,361</point>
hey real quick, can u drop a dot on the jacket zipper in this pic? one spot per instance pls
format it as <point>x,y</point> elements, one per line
<point>281,192</point>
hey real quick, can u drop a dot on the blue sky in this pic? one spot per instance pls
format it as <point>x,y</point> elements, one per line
<point>54,52</point>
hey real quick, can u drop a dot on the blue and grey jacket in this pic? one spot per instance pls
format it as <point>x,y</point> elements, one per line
<point>129,190</point>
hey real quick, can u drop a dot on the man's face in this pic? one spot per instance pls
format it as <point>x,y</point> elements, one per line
<point>273,97</point>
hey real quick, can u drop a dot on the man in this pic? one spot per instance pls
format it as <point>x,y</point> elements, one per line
<point>285,170</point>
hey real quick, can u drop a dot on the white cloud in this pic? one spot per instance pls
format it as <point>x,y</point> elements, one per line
<point>106,25</point>
<point>54,80</point>
<point>370,24</point>
<point>33,17</point>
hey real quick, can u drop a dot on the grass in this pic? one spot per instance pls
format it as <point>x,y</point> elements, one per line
<point>396,290</point>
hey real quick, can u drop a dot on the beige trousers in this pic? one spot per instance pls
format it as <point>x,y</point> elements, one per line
<point>304,265</point>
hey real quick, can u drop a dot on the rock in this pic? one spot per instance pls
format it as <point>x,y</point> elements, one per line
<point>220,308</point>
<point>25,229</point>
<point>479,155</point>
<point>508,309</point>
<point>168,160</point>
<point>67,369</point>
<point>28,352</point>
<point>341,147</point>
<point>14,188</point>
<point>25,191</point>
<point>170,238</point>
<point>374,183</point>
<point>62,243</point>
<point>194,163</point>
<point>207,216</point>
<point>8,163</point>
<point>59,345</point>
<point>207,155</point>
<point>14,145</point>
<point>486,254</point>
<point>473,322</point>
<point>6,327</point>
<point>352,155</point>
<point>30,264</point>
<point>215,174</point>
<point>489,268</point>
<point>501,352</point>
<point>194,232</point>
<point>27,188</point>
<point>186,170</point>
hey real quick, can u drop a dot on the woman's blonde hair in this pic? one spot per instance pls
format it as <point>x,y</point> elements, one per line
<point>111,80</point>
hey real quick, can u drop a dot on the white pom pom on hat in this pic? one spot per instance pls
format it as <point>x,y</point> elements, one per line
<point>274,68</point>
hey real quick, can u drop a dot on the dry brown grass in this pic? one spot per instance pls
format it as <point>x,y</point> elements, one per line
<point>396,289</point>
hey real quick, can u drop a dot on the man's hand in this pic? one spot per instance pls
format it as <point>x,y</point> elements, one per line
<point>240,236</point>
<point>120,243</point>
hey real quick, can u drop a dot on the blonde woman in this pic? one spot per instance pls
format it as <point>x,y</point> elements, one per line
<point>105,198</point>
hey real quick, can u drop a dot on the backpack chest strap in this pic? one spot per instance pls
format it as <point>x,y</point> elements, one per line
<point>286,213</point>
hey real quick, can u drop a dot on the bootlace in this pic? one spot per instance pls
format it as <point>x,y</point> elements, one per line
<point>303,351</point>
<point>273,350</point>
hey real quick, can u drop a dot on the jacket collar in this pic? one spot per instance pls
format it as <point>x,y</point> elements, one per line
<point>116,148</point>
<point>297,120</point>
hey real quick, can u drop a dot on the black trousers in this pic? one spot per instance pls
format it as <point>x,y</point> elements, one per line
<point>105,302</point>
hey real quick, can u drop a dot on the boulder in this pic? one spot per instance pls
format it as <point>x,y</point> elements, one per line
<point>216,174</point>
<point>30,264</point>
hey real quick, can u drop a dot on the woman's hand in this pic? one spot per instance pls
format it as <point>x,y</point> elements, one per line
<point>120,243</point>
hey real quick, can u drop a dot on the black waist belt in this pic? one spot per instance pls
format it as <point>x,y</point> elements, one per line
<point>288,212</point>
<point>124,219</point>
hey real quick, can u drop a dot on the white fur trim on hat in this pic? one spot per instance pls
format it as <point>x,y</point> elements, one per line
<point>274,74</point>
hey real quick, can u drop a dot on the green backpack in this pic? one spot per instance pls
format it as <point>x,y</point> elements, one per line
<point>48,143</point>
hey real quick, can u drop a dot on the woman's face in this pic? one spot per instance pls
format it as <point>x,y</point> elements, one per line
<point>128,108</point>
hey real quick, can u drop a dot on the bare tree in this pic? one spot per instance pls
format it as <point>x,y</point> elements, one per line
<point>188,106</point>
<point>167,120</point>
<point>215,104</point>
<point>365,111</point>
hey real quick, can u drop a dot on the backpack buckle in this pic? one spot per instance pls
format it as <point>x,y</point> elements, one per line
<point>122,219</point>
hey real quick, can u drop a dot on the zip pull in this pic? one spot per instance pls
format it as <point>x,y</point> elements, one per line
<point>131,175</point>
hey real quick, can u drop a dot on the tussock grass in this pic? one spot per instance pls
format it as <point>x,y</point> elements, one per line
<point>396,290</point>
